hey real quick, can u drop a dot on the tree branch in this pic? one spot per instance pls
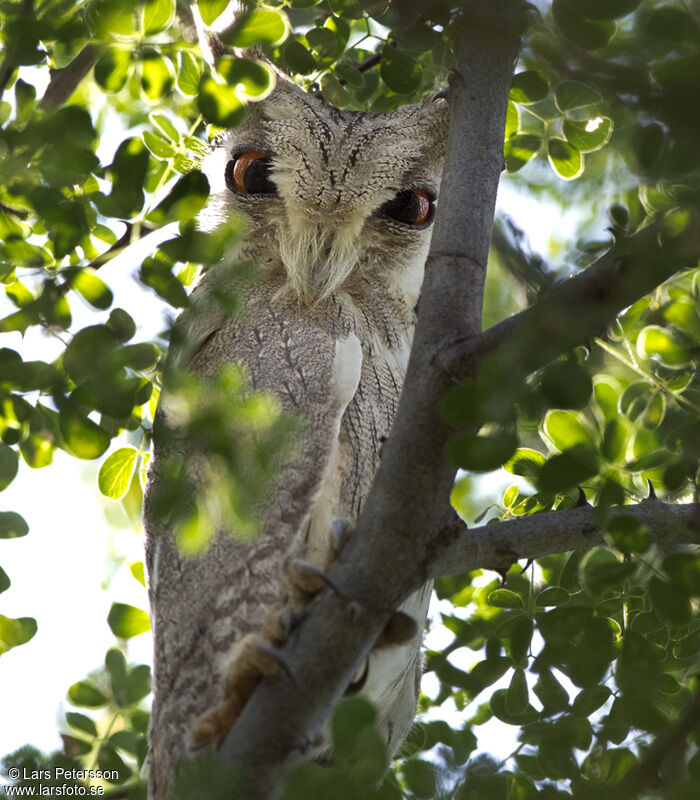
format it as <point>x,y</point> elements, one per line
<point>576,308</point>
<point>65,81</point>
<point>498,545</point>
<point>385,558</point>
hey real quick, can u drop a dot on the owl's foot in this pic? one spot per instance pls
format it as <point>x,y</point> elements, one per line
<point>251,659</point>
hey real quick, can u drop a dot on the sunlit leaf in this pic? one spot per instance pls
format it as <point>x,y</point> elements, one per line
<point>219,103</point>
<point>15,632</point>
<point>157,15</point>
<point>126,621</point>
<point>572,94</point>
<point>529,87</point>
<point>115,473</point>
<point>519,149</point>
<point>211,9</point>
<point>566,160</point>
<point>265,25</point>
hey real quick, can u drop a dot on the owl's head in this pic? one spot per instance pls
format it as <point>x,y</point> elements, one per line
<point>331,197</point>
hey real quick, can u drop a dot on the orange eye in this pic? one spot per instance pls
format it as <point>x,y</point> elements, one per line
<point>423,206</point>
<point>249,173</point>
<point>414,207</point>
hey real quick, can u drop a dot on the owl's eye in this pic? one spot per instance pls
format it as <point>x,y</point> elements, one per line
<point>249,173</point>
<point>413,207</point>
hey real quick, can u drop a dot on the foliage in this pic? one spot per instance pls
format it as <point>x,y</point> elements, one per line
<point>589,655</point>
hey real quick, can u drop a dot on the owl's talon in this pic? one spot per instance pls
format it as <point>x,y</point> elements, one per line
<point>307,577</point>
<point>279,623</point>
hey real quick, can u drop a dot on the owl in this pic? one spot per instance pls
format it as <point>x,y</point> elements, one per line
<point>338,207</point>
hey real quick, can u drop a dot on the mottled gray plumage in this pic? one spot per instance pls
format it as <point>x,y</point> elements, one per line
<point>326,327</point>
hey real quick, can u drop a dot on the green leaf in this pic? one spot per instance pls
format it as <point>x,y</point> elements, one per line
<point>589,700</point>
<point>399,71</point>
<point>15,632</point>
<point>500,710</point>
<point>265,25</point>
<point>603,569</point>
<point>587,33</point>
<point>572,94</point>
<point>138,683</point>
<point>552,596</point>
<point>188,74</point>
<point>219,103</point>
<point>12,525</point>
<point>115,473</point>
<point>157,74</point>
<point>81,722</point>
<point>126,621</point>
<point>658,344</point>
<point>110,762</point>
<point>185,200</point>
<point>684,571</point>
<point>121,324</point>
<point>517,697</point>
<point>529,87</point>
<point>334,92</point>
<point>614,440</point>
<point>166,126</point>
<point>628,534</point>
<point>590,135</point>
<point>634,399</point>
<point>323,40</point>
<point>157,15</point>
<point>137,570</point>
<point>9,464</point>
<point>481,453</point>
<point>669,601</point>
<point>566,429</point>
<point>5,582</point>
<point>93,289</point>
<point>568,469</point>
<point>83,437</point>
<point>519,149</point>
<point>211,9</point>
<point>565,159</point>
<point>526,462</point>
<point>157,274</point>
<point>297,58</point>
<point>606,9</point>
<point>86,694</point>
<point>253,78</point>
<point>512,119</point>
<point>420,777</point>
<point>113,68</point>
<point>351,716</point>
<point>566,384</point>
<point>504,598</point>
<point>550,693</point>
<point>158,145</point>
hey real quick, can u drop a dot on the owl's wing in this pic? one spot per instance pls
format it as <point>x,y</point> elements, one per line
<point>202,606</point>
